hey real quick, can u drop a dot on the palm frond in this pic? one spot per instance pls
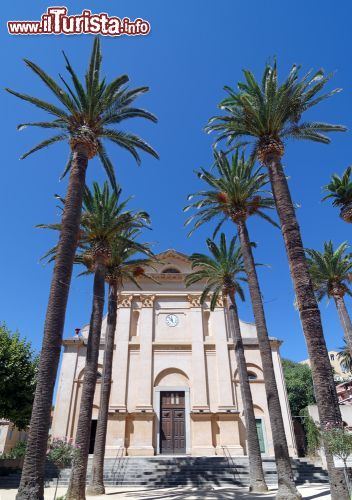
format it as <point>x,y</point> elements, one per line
<point>272,109</point>
<point>237,186</point>
<point>44,144</point>
<point>221,271</point>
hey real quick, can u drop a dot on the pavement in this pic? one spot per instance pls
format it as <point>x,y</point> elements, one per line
<point>308,491</point>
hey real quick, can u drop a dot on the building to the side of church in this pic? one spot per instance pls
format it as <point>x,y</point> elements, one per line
<point>175,387</point>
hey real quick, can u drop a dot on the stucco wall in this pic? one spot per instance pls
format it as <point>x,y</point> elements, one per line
<point>196,355</point>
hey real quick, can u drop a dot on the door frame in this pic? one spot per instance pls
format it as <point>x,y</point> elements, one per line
<point>185,389</point>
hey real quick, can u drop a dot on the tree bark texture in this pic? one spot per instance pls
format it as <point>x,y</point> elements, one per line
<point>77,484</point>
<point>96,486</point>
<point>32,479</point>
<point>287,489</point>
<point>324,387</point>
<point>256,474</point>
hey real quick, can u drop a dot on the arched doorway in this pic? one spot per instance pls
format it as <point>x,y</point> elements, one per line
<point>172,408</point>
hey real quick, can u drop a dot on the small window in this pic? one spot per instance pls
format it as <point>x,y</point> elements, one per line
<point>98,375</point>
<point>252,376</point>
<point>332,357</point>
<point>171,270</point>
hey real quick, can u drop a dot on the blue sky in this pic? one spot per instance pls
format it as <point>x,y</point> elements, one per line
<point>193,50</point>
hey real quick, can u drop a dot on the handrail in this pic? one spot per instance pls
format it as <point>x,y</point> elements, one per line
<point>230,460</point>
<point>118,459</point>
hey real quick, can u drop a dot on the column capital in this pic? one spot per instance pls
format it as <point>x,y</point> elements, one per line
<point>147,300</point>
<point>194,300</point>
<point>220,302</point>
<point>124,301</point>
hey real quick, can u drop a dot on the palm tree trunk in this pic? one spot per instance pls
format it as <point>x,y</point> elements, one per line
<point>256,473</point>
<point>96,486</point>
<point>32,479</point>
<point>287,489</point>
<point>76,489</point>
<point>345,321</point>
<point>324,387</point>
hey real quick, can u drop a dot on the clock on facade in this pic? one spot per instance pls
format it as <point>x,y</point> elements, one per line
<point>172,320</point>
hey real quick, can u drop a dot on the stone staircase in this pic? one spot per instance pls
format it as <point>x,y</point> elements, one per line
<point>166,471</point>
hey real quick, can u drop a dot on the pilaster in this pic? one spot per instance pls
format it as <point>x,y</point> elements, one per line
<point>146,354</point>
<point>141,439</point>
<point>229,434</point>
<point>225,391</point>
<point>199,374</point>
<point>120,360</point>
<point>202,436</point>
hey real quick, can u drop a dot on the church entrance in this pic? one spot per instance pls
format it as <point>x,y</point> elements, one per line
<point>172,423</point>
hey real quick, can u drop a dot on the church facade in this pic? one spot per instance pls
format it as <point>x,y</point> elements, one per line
<point>175,387</point>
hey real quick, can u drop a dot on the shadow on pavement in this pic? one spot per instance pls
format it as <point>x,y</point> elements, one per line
<point>208,493</point>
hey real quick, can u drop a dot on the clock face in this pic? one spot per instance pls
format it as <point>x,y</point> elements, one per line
<point>171,320</point>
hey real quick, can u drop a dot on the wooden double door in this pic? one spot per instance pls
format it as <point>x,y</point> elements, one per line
<point>172,423</point>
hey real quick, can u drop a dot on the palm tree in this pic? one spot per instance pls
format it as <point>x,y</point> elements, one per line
<point>340,189</point>
<point>120,267</point>
<point>331,274</point>
<point>238,191</point>
<point>221,272</point>
<point>345,357</point>
<point>266,114</point>
<point>103,220</point>
<point>84,119</point>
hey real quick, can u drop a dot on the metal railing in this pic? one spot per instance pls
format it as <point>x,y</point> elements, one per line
<point>119,464</point>
<point>231,462</point>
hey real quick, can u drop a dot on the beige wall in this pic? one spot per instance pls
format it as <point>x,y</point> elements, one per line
<point>196,356</point>
<point>9,436</point>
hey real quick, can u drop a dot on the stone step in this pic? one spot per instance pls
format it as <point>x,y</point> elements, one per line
<point>177,471</point>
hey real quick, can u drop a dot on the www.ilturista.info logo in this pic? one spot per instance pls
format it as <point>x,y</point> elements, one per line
<point>56,22</point>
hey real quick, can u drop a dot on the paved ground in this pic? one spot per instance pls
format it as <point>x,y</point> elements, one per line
<point>309,492</point>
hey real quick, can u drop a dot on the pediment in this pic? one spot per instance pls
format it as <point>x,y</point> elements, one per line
<point>172,260</point>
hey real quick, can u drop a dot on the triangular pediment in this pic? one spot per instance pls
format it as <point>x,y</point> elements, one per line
<point>171,261</point>
<point>172,254</point>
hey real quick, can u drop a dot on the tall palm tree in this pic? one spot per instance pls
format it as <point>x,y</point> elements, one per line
<point>122,266</point>
<point>104,219</point>
<point>266,114</point>
<point>237,191</point>
<point>340,189</point>
<point>222,275</point>
<point>84,119</point>
<point>331,274</point>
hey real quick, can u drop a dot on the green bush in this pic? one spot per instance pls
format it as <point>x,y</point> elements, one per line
<point>61,452</point>
<point>338,441</point>
<point>312,434</point>
<point>18,451</point>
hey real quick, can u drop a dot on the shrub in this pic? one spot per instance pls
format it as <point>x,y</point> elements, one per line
<point>17,451</point>
<point>312,434</point>
<point>338,441</point>
<point>61,452</point>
